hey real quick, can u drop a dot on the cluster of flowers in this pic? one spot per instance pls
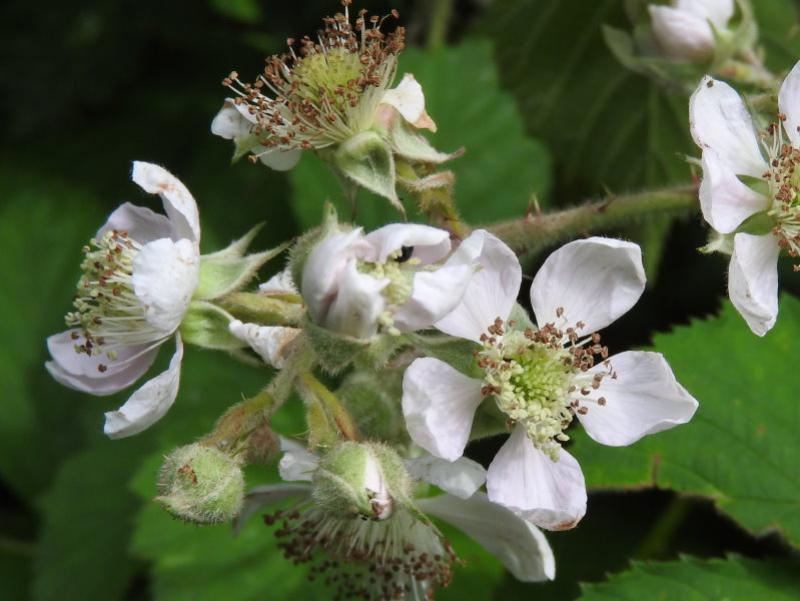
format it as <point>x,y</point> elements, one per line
<point>421,327</point>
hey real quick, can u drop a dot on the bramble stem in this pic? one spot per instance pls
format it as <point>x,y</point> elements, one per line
<point>533,233</point>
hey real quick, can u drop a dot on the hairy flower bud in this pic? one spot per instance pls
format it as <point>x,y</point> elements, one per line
<point>365,479</point>
<point>201,484</point>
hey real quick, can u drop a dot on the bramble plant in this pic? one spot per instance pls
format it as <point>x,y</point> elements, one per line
<point>407,343</point>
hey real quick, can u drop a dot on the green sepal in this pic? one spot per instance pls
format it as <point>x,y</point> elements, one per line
<point>758,224</point>
<point>415,147</point>
<point>263,309</point>
<point>333,351</point>
<point>230,269</point>
<point>718,243</point>
<point>244,145</point>
<point>373,400</point>
<point>206,325</point>
<point>456,352</point>
<point>367,160</point>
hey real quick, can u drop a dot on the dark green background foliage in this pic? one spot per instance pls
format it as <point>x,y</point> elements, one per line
<point>544,112</point>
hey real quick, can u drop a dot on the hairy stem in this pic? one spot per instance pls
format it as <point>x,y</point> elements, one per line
<point>533,233</point>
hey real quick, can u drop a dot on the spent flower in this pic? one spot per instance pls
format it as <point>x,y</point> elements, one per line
<point>541,378</point>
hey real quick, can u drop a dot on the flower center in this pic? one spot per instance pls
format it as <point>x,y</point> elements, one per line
<point>106,306</point>
<point>396,558</point>
<point>326,91</point>
<point>783,179</point>
<point>537,377</point>
<point>399,268</point>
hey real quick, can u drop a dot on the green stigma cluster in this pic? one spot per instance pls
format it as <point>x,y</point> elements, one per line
<point>400,274</point>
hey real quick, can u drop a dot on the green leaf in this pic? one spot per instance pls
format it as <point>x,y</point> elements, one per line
<point>88,520</point>
<point>740,448</point>
<point>498,175</point>
<point>690,579</point>
<point>605,125</point>
<point>42,226</point>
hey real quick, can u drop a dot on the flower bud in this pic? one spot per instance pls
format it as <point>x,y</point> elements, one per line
<point>201,484</point>
<point>365,479</point>
<point>688,29</point>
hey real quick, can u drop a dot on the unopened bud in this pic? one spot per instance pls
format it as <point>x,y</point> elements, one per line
<point>366,479</point>
<point>201,484</point>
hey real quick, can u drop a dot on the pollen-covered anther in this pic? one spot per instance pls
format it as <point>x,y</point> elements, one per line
<point>537,377</point>
<point>401,557</point>
<point>323,91</point>
<point>107,310</point>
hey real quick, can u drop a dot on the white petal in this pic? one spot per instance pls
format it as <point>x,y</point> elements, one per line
<point>682,35</point>
<point>429,243</point>
<point>232,121</point>
<point>179,204</point>
<point>434,295</point>
<point>279,160</point>
<point>753,280</point>
<point>409,101</point>
<point>165,275</point>
<point>280,283</point>
<point>266,495</point>
<point>297,463</point>
<point>789,104</point>
<point>324,267</point>
<point>358,304</point>
<point>141,224</point>
<point>594,280</point>
<point>644,398</point>
<point>520,545</point>
<point>719,120</point>
<point>551,494</point>
<point>718,12</point>
<point>149,403</point>
<point>270,342</point>
<point>439,404</point>
<point>725,201</point>
<point>492,291</point>
<point>462,477</point>
<point>81,372</point>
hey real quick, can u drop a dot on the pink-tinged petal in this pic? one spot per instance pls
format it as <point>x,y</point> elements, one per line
<point>149,403</point>
<point>595,281</point>
<point>725,201</point>
<point>429,243</point>
<point>179,204</point>
<point>434,295</point>
<point>82,372</point>
<point>409,100</point>
<point>165,276</point>
<point>439,404</point>
<point>682,35</point>
<point>789,104</point>
<point>643,399</point>
<point>719,120</point>
<point>551,494</point>
<point>270,342</point>
<point>462,477</point>
<point>325,266</point>
<point>492,291</point>
<point>358,304</point>
<point>753,280</point>
<point>141,224</point>
<point>518,544</point>
<point>279,160</point>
